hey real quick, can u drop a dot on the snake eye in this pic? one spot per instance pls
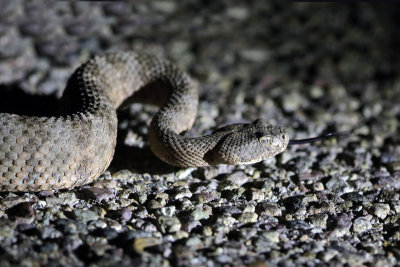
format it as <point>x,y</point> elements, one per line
<point>266,139</point>
<point>284,136</point>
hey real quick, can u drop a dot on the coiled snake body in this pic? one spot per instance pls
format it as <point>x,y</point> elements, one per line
<point>42,153</point>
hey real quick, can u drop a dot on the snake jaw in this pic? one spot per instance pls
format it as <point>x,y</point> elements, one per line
<point>249,143</point>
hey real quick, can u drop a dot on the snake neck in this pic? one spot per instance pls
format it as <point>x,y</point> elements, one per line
<point>180,150</point>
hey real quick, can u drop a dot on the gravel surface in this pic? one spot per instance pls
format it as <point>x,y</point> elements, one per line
<point>310,68</point>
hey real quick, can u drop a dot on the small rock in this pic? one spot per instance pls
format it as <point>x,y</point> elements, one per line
<point>157,204</point>
<point>258,264</point>
<point>254,55</point>
<point>381,210</point>
<point>50,232</point>
<point>169,224</point>
<point>328,255</point>
<point>249,208</point>
<point>239,13</point>
<point>124,214</point>
<point>98,194</point>
<point>294,203</point>
<point>318,186</point>
<point>298,225</point>
<point>140,197</point>
<point>341,222</point>
<point>227,210</point>
<point>164,6</point>
<point>189,223</point>
<point>270,209</point>
<point>194,243</point>
<point>311,176</point>
<point>338,185</point>
<point>106,182</point>
<point>227,220</point>
<point>140,244</point>
<point>248,217</point>
<point>255,194</point>
<point>292,101</point>
<point>167,211</point>
<point>6,232</point>
<point>71,242</point>
<point>238,178</point>
<point>396,206</point>
<point>353,197</point>
<point>45,193</point>
<point>200,214</point>
<point>85,215</point>
<point>394,166</point>
<point>205,197</point>
<point>273,236</point>
<point>247,232</point>
<point>181,193</point>
<point>319,220</point>
<point>308,198</point>
<point>361,224</point>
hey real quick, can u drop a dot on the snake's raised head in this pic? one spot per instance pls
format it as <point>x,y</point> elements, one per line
<point>248,143</point>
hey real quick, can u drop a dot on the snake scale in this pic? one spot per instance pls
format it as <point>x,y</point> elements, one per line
<point>42,153</point>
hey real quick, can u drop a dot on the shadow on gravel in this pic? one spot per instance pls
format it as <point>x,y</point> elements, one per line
<point>14,100</point>
<point>138,160</point>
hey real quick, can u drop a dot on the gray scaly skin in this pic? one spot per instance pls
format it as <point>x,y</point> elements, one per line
<point>42,153</point>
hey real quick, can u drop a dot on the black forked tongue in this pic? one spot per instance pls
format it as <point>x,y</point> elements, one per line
<point>317,138</point>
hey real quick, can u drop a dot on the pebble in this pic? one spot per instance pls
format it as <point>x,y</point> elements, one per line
<point>255,194</point>
<point>270,209</point>
<point>272,236</point>
<point>319,220</point>
<point>85,215</point>
<point>238,178</point>
<point>227,210</point>
<point>6,233</point>
<point>361,224</point>
<point>169,224</point>
<point>248,217</point>
<point>98,194</point>
<point>181,193</point>
<point>140,244</point>
<point>157,204</point>
<point>381,210</point>
<point>339,224</point>
<point>188,223</point>
<point>318,186</point>
<point>200,214</point>
<point>124,214</point>
<point>353,197</point>
<point>294,203</point>
<point>338,185</point>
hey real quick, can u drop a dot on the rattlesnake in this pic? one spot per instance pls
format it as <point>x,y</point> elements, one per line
<point>42,153</point>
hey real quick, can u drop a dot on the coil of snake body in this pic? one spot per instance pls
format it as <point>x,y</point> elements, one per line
<point>42,153</point>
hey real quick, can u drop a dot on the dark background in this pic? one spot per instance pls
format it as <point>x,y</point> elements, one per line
<point>308,67</point>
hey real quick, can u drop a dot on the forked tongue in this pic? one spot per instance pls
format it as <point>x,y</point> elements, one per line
<point>317,138</point>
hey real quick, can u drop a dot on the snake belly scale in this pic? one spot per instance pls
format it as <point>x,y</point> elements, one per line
<point>43,153</point>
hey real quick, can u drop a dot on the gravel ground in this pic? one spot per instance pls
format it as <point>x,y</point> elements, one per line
<point>307,67</point>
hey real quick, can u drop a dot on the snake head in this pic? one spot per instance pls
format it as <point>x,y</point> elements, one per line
<point>248,143</point>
